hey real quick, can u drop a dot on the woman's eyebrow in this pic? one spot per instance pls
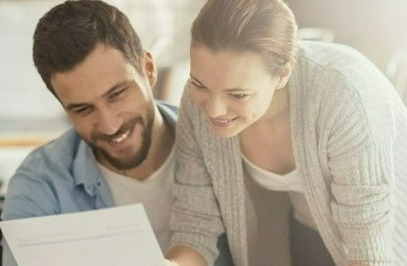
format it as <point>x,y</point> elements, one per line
<point>194,78</point>
<point>228,90</point>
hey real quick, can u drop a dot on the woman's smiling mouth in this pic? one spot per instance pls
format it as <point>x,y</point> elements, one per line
<point>221,122</point>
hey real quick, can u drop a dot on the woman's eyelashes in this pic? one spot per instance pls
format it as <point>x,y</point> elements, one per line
<point>197,85</point>
<point>240,96</point>
<point>236,96</point>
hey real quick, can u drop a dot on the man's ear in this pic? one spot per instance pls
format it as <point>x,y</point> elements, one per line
<point>285,74</point>
<point>150,68</point>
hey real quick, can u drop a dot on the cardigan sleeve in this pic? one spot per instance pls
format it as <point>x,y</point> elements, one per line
<point>196,219</point>
<point>361,163</point>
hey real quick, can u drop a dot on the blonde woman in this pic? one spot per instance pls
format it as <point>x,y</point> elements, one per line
<point>295,149</point>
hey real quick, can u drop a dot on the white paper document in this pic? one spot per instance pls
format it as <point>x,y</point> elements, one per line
<point>114,236</point>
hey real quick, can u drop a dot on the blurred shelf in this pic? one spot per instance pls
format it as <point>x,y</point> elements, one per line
<point>30,132</point>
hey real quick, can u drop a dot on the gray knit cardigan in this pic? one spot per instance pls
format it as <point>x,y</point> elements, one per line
<point>349,132</point>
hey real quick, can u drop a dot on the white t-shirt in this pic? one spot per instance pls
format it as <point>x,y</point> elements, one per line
<point>154,193</point>
<point>269,213</point>
<point>290,182</point>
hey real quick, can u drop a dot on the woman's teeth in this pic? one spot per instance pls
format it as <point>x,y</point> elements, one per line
<point>223,121</point>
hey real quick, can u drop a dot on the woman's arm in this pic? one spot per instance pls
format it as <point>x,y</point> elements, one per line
<point>361,164</point>
<point>196,220</point>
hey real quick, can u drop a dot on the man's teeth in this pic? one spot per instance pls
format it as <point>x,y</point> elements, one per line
<point>121,137</point>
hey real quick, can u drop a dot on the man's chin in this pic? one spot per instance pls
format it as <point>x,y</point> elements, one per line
<point>118,163</point>
<point>121,163</point>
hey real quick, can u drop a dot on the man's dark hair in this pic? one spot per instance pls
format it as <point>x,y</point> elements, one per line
<point>68,32</point>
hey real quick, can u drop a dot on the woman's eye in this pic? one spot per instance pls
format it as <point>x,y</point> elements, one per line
<point>240,96</point>
<point>197,85</point>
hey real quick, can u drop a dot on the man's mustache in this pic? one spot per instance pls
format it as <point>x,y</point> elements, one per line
<point>123,129</point>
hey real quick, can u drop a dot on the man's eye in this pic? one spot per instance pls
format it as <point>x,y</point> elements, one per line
<point>83,110</point>
<point>116,94</point>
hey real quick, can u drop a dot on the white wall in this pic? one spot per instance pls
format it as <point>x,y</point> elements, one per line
<point>22,90</point>
<point>377,28</point>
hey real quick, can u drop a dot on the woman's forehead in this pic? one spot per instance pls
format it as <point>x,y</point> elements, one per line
<point>224,64</point>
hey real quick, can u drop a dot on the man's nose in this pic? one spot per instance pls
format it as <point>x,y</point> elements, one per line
<point>108,122</point>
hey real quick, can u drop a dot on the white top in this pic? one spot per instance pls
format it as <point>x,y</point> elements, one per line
<point>154,192</point>
<point>290,182</point>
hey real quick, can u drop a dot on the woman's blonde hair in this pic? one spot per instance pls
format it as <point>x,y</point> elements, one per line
<point>265,27</point>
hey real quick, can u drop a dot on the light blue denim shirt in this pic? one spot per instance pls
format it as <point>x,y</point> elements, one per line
<point>60,177</point>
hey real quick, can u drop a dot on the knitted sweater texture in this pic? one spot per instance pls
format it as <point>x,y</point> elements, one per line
<point>349,131</point>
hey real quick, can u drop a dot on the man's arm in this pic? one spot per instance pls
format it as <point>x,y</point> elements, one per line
<point>186,256</point>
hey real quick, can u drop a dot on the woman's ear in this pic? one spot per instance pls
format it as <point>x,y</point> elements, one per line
<point>285,74</point>
<point>150,68</point>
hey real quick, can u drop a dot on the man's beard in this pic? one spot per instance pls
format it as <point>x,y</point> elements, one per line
<point>136,159</point>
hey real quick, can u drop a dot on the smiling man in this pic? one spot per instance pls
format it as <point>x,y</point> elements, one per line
<point>120,149</point>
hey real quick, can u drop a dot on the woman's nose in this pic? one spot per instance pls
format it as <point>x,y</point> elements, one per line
<point>215,107</point>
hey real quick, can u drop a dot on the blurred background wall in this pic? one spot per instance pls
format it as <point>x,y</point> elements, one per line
<point>377,28</point>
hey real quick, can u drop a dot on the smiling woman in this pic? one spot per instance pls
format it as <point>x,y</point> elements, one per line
<point>233,89</point>
<point>295,146</point>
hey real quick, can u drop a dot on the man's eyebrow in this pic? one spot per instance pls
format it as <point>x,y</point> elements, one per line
<point>105,94</point>
<point>75,106</point>
<point>114,87</point>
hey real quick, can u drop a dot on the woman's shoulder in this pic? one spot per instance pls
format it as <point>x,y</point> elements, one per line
<point>333,56</point>
<point>341,83</point>
<point>341,66</point>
